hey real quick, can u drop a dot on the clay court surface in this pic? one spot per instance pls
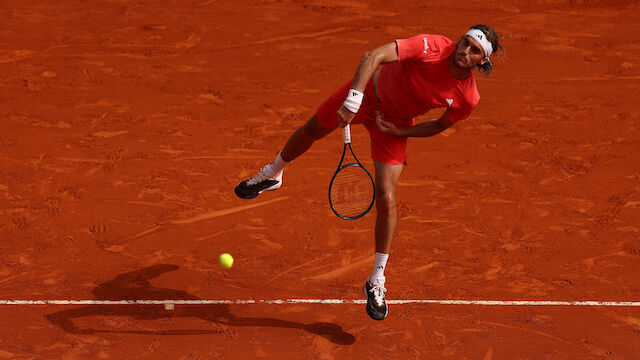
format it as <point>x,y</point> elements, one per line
<point>125,125</point>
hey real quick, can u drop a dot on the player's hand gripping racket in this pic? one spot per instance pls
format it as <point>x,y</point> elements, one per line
<point>351,191</point>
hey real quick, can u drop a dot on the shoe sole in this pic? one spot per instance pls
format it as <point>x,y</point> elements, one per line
<point>254,194</point>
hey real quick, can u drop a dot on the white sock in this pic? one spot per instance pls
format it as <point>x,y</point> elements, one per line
<point>278,165</point>
<point>379,264</point>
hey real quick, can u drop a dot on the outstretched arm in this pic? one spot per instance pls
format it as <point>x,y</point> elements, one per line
<point>369,63</point>
<point>424,129</point>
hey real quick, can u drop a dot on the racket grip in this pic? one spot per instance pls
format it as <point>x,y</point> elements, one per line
<point>346,134</point>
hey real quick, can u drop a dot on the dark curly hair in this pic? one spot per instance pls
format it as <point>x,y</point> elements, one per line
<point>492,36</point>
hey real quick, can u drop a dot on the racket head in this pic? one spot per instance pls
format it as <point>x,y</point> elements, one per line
<point>352,191</point>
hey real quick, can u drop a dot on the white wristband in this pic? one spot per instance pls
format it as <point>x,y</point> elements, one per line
<point>353,101</point>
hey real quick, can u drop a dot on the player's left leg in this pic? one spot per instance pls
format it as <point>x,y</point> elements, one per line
<point>387,177</point>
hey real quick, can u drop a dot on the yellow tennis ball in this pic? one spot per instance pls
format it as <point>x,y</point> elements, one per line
<point>225,260</point>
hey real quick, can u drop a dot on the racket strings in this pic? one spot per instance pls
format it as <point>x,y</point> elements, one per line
<point>352,191</point>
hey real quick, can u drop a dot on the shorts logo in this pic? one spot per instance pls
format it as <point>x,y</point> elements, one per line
<point>426,46</point>
<point>449,101</point>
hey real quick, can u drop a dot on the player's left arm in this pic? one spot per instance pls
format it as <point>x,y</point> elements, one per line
<point>424,129</point>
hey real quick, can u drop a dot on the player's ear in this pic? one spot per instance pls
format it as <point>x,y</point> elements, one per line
<point>485,66</point>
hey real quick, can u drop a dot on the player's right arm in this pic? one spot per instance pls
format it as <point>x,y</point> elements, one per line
<point>369,63</point>
<point>385,54</point>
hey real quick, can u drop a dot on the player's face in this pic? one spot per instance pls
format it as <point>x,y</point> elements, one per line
<point>469,53</point>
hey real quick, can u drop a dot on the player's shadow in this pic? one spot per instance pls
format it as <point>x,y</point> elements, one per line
<point>136,285</point>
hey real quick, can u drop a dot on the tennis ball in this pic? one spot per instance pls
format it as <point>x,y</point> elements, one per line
<point>225,260</point>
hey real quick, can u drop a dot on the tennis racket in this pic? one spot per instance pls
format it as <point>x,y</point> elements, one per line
<point>352,190</point>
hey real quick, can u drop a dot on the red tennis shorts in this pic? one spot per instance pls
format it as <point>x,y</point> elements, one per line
<point>385,148</point>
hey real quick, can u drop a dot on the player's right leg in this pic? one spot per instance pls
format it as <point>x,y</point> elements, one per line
<point>270,177</point>
<point>303,138</point>
<point>321,124</point>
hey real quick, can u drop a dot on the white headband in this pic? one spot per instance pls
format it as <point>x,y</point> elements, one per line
<point>482,39</point>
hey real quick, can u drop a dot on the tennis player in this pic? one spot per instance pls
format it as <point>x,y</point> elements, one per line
<point>393,84</point>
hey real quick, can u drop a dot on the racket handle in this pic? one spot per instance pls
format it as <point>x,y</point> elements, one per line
<point>346,134</point>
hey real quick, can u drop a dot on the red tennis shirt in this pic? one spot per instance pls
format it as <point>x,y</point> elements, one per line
<point>421,81</point>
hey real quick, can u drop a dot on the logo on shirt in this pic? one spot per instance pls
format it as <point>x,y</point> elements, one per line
<point>426,46</point>
<point>449,101</point>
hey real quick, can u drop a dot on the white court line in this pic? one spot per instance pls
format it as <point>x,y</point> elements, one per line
<point>321,301</point>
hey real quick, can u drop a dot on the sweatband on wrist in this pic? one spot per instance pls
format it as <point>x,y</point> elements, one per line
<point>354,100</point>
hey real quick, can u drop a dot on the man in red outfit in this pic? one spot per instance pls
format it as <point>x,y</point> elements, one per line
<point>393,84</point>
